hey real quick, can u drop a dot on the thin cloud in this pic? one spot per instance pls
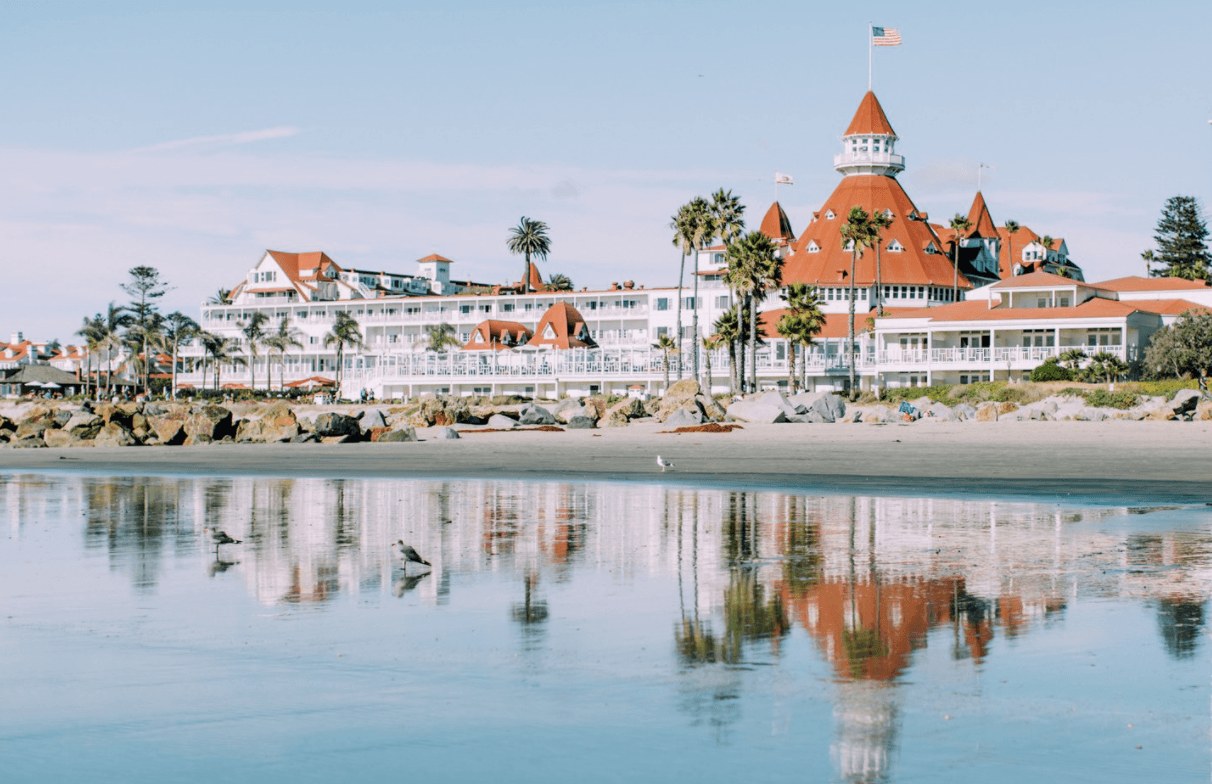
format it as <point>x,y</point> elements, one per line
<point>225,139</point>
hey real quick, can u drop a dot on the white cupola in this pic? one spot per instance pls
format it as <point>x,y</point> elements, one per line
<point>869,144</point>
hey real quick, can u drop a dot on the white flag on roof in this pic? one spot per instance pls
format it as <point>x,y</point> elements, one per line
<point>783,179</point>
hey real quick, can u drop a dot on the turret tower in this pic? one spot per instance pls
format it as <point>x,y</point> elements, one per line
<point>869,144</point>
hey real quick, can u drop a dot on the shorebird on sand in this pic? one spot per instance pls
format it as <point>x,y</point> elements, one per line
<point>409,555</point>
<point>218,537</point>
<point>663,463</point>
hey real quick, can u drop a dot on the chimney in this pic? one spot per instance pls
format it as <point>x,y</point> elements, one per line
<point>16,337</point>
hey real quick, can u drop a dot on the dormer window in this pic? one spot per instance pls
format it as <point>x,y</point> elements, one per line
<point>829,215</point>
<point>895,246</point>
<point>813,247</point>
<point>849,246</point>
<point>888,214</point>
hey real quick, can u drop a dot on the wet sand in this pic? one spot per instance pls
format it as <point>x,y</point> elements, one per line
<point>1133,461</point>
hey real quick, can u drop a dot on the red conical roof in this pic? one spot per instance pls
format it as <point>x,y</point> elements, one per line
<point>870,118</point>
<point>982,223</point>
<point>776,224</point>
<point>829,264</point>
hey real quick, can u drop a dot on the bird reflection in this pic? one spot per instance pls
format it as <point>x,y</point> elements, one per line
<point>531,610</point>
<point>218,538</point>
<point>219,567</point>
<point>402,582</point>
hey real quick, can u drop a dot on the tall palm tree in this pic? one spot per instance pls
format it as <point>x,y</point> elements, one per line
<point>1150,259</point>
<point>254,332</point>
<point>220,350</point>
<point>178,328</point>
<point>112,322</point>
<point>692,231</point>
<point>1047,242</point>
<point>753,267</point>
<point>666,344</point>
<point>959,224</point>
<point>879,222</point>
<point>857,234</point>
<point>559,282</point>
<point>802,322</point>
<point>92,332</point>
<point>1012,228</point>
<point>710,344</point>
<point>142,336</point>
<point>439,336</point>
<point>725,219</point>
<point>283,340</point>
<point>529,238</point>
<point>728,329</point>
<point>345,332</point>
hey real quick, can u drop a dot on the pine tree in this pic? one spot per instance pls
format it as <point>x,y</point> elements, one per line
<point>1182,241</point>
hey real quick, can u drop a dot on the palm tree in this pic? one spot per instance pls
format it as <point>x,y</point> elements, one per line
<point>143,338</point>
<point>1012,228</point>
<point>220,349</point>
<point>857,234</point>
<point>283,340</point>
<point>439,336</point>
<point>112,322</point>
<point>710,344</point>
<point>178,328</point>
<point>691,232</point>
<point>559,282</point>
<point>345,332</point>
<point>959,224</point>
<point>724,220</point>
<point>529,238</point>
<point>802,322</point>
<point>879,222</point>
<point>753,267</point>
<point>728,329</point>
<point>666,344</point>
<point>254,333</point>
<point>91,331</point>
<point>1150,259</point>
<point>220,297</point>
<point>1072,358</point>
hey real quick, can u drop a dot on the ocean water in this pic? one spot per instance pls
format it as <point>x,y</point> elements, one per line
<point>594,632</point>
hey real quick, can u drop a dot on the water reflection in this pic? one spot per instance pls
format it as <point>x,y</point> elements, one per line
<point>868,582</point>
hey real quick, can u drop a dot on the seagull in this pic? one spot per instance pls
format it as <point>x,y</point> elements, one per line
<point>410,555</point>
<point>218,537</point>
<point>663,463</point>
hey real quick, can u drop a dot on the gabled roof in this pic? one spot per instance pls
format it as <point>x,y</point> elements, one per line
<point>536,280</point>
<point>493,334</point>
<point>1137,283</point>
<point>293,265</point>
<point>831,264</point>
<point>28,374</point>
<point>776,225</point>
<point>870,118</point>
<point>1021,239</point>
<point>435,257</point>
<point>562,326</point>
<point>982,224</point>
<point>1035,280</point>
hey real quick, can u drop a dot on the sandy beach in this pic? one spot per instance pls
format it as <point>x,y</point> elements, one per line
<point>1148,460</point>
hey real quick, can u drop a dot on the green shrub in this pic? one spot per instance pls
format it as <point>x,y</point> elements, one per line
<point>1051,371</point>
<point>1101,398</point>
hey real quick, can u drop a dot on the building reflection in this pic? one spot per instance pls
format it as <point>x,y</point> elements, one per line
<point>868,581</point>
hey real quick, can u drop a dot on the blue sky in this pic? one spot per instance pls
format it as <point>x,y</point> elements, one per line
<point>191,138</point>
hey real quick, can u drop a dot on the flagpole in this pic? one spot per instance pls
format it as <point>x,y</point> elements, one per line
<point>869,48</point>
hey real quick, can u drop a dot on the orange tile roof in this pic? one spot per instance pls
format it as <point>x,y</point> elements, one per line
<point>493,334</point>
<point>1169,307</point>
<point>567,327</point>
<point>1021,239</point>
<point>1039,280</point>
<point>870,118</point>
<point>836,325</point>
<point>293,264</point>
<point>979,310</point>
<point>1137,283</point>
<point>436,257</point>
<point>831,264</point>
<point>982,223</point>
<point>776,225</point>
<point>536,280</point>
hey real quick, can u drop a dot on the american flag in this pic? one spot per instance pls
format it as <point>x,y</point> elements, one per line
<point>885,36</point>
